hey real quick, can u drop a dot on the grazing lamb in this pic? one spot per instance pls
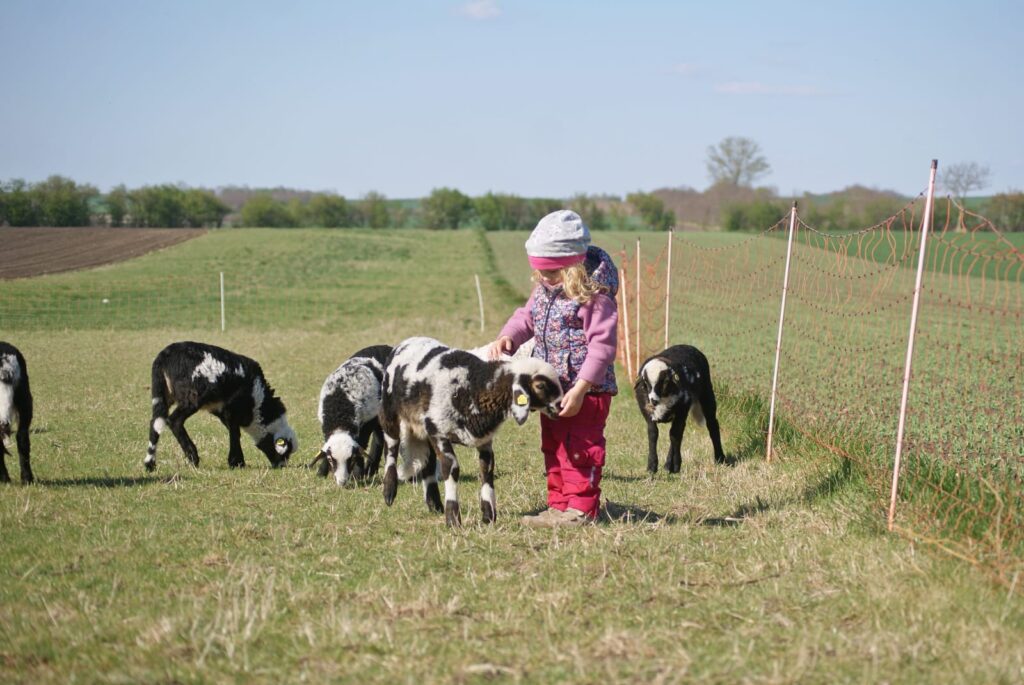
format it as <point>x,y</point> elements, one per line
<point>349,403</point>
<point>671,385</point>
<point>436,396</point>
<point>194,376</point>
<point>15,407</point>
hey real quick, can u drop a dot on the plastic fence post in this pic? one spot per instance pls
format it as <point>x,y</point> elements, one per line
<point>638,310</point>
<point>925,221</point>
<point>222,301</point>
<point>480,298</point>
<point>668,285</point>
<point>778,341</point>
<point>623,293</point>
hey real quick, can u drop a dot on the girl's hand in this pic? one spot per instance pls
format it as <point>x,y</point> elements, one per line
<point>502,345</point>
<point>572,402</point>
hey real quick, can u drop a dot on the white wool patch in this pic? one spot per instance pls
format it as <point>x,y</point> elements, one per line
<point>156,401</point>
<point>10,367</point>
<point>653,372</point>
<point>487,495</point>
<point>150,458</point>
<point>159,426</point>
<point>355,379</point>
<point>240,371</point>
<point>279,428</point>
<point>451,490</point>
<point>256,428</point>
<point>209,368</point>
<point>533,367</point>
<point>653,369</point>
<point>415,453</point>
<point>8,414</point>
<point>340,445</point>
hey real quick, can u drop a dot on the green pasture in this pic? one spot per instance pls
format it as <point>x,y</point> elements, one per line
<point>757,572</point>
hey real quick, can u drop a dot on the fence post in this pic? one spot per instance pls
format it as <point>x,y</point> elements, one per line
<point>668,285</point>
<point>480,297</point>
<point>778,342</point>
<point>638,310</point>
<point>222,301</point>
<point>925,223</point>
<point>624,294</point>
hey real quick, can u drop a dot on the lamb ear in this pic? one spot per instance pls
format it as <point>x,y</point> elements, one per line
<point>520,404</point>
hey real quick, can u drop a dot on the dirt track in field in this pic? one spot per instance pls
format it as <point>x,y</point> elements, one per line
<point>34,251</point>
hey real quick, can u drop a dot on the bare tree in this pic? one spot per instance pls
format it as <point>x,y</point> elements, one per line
<point>737,161</point>
<point>963,177</point>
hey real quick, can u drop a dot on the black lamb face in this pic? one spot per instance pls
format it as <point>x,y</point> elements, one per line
<point>658,388</point>
<point>277,448</point>
<point>535,388</point>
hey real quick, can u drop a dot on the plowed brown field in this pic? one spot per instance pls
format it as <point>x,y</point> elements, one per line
<point>34,251</point>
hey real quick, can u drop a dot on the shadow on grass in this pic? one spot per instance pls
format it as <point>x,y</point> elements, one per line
<point>101,482</point>
<point>828,485</point>
<point>752,448</point>
<point>833,482</point>
<point>627,478</point>
<point>628,513</point>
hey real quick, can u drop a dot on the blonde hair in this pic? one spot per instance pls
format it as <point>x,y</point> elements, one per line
<point>576,283</point>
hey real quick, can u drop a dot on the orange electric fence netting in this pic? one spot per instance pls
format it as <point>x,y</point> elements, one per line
<point>843,353</point>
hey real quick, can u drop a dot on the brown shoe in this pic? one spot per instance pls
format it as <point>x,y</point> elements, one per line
<point>544,519</point>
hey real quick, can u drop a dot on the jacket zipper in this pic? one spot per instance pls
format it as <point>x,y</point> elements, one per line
<point>547,314</point>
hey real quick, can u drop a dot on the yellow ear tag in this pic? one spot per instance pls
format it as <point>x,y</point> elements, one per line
<point>280,442</point>
<point>522,401</point>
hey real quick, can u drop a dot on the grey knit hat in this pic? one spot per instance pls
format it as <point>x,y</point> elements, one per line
<point>560,239</point>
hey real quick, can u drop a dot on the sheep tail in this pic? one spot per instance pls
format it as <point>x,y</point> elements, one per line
<point>159,389</point>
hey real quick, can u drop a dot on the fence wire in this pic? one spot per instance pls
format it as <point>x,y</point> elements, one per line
<point>843,353</point>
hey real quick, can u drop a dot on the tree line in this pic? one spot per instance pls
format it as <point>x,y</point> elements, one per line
<point>60,201</point>
<point>731,203</point>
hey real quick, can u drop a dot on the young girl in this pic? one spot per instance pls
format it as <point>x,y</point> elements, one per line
<point>572,316</point>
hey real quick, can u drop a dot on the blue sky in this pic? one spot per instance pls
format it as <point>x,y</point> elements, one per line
<point>533,97</point>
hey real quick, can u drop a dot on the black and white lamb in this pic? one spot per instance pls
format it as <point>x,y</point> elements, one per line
<point>671,385</point>
<point>15,407</point>
<point>192,376</point>
<point>438,396</point>
<point>349,404</point>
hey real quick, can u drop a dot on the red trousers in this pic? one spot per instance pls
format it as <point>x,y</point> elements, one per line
<point>574,455</point>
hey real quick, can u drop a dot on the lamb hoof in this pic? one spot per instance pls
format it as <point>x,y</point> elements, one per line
<point>452,516</point>
<point>433,498</point>
<point>390,485</point>
<point>150,466</point>
<point>487,512</point>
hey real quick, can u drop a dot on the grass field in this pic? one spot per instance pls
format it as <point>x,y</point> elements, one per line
<point>762,573</point>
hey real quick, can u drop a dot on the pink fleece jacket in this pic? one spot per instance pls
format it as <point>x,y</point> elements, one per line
<point>600,319</point>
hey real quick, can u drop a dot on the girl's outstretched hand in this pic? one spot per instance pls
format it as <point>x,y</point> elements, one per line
<point>572,401</point>
<point>502,345</point>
